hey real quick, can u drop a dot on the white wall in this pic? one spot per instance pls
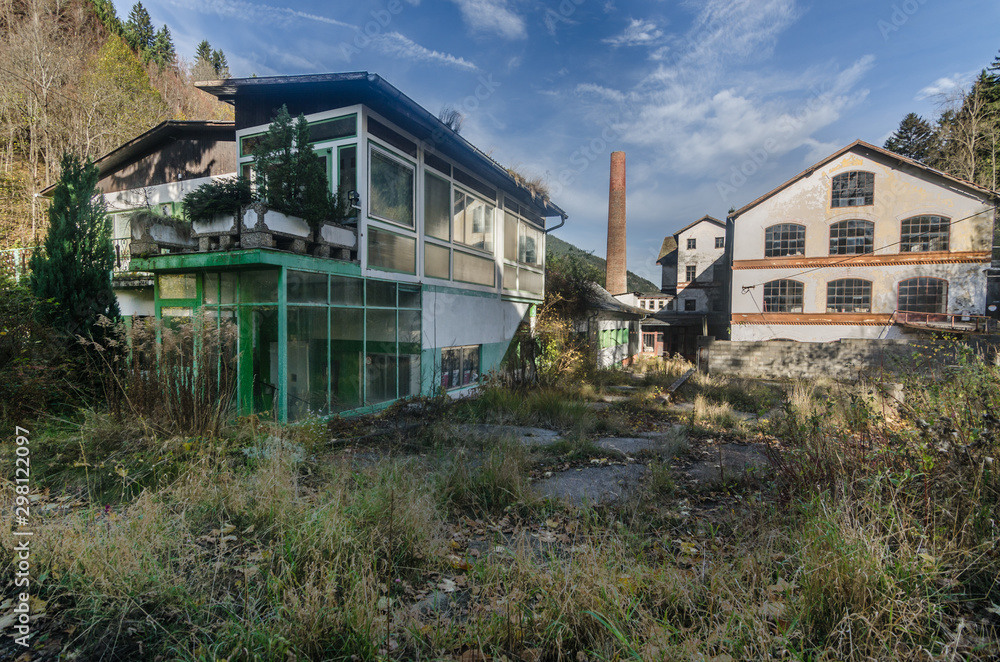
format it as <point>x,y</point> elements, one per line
<point>452,319</point>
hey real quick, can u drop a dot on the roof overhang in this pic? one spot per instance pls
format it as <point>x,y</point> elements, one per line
<point>374,92</point>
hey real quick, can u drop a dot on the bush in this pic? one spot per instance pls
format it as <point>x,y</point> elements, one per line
<point>229,195</point>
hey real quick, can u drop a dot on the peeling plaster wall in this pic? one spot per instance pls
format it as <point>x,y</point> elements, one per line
<point>900,193</point>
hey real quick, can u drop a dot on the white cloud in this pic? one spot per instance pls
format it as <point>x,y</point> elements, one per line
<point>602,92</point>
<point>637,33</point>
<point>397,45</point>
<point>946,85</point>
<point>492,16</point>
<point>250,11</point>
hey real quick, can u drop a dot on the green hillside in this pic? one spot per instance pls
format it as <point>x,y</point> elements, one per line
<point>557,247</point>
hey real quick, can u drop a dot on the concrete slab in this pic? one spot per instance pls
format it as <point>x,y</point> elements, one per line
<point>727,461</point>
<point>591,485</point>
<point>528,436</point>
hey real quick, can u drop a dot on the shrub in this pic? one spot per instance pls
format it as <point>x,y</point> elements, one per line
<point>229,195</point>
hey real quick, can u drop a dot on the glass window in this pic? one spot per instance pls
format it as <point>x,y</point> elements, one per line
<point>259,286</point>
<point>924,233</point>
<point>346,291</point>
<point>306,287</point>
<point>437,261</point>
<point>338,127</point>
<point>509,277</point>
<point>690,272</point>
<point>923,295</point>
<point>531,245</point>
<point>852,237</point>
<point>474,269</point>
<point>391,193</point>
<point>308,370</point>
<point>692,243</point>
<point>227,286</point>
<point>510,236</point>
<point>785,239</point>
<point>347,329</point>
<point>437,207</point>
<point>347,170</point>
<point>472,222</point>
<point>177,286</point>
<point>380,358</point>
<point>853,189</point>
<point>690,305</point>
<point>394,252</point>
<point>381,293</point>
<point>720,242</point>
<point>210,288</point>
<point>783,296</point>
<point>459,366</point>
<point>849,295</point>
<point>531,281</point>
<point>409,296</point>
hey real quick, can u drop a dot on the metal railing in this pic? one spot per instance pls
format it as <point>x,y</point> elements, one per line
<point>15,261</point>
<point>962,322</point>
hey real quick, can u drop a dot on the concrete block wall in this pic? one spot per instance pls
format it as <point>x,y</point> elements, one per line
<point>778,359</point>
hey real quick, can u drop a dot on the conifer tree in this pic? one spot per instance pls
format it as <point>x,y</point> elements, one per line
<point>204,52</point>
<point>164,52</point>
<point>915,139</point>
<point>72,275</point>
<point>220,65</point>
<point>139,29</point>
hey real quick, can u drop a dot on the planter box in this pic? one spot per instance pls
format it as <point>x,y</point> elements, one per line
<point>151,236</point>
<point>217,234</point>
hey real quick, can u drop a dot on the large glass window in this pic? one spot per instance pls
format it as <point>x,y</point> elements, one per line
<point>853,189</point>
<point>308,367</point>
<point>923,295</point>
<point>474,269</point>
<point>437,207</point>
<point>530,245</point>
<point>473,222</point>
<point>390,251</point>
<point>849,295</point>
<point>924,233</point>
<point>177,286</point>
<point>391,193</point>
<point>347,342</point>
<point>332,129</point>
<point>783,296</point>
<point>853,237</point>
<point>785,239</point>
<point>347,171</point>
<point>437,261</point>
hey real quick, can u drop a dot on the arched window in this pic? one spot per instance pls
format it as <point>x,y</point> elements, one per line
<point>849,295</point>
<point>783,296</point>
<point>785,239</point>
<point>853,189</point>
<point>924,233</point>
<point>923,295</point>
<point>852,237</point>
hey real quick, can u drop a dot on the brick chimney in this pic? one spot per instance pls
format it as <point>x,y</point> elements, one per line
<point>615,281</point>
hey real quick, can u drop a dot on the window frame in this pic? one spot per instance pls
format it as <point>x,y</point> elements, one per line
<point>690,273</point>
<point>911,242</point>
<point>848,288</point>
<point>867,196</point>
<point>770,241</point>
<point>692,243</point>
<point>942,284</point>
<point>462,349</point>
<point>844,229</point>
<point>386,153</point>
<point>693,307</point>
<point>786,289</point>
<point>720,242</point>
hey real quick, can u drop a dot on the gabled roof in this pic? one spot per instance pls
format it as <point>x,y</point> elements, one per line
<point>362,87</point>
<point>704,219</point>
<point>151,140</point>
<point>600,299</point>
<point>668,246</point>
<point>860,146</point>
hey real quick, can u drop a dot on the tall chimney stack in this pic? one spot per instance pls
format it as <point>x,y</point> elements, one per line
<point>614,280</point>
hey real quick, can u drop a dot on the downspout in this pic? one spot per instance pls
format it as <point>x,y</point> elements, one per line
<point>562,222</point>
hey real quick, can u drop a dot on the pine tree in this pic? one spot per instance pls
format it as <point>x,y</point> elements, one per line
<point>220,65</point>
<point>915,138</point>
<point>139,29</point>
<point>204,52</point>
<point>73,272</point>
<point>164,52</point>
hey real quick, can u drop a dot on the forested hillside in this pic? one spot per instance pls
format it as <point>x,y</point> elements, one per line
<point>558,248</point>
<point>964,139</point>
<point>76,78</point>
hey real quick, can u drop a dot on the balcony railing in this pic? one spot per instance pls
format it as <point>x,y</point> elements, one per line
<point>959,323</point>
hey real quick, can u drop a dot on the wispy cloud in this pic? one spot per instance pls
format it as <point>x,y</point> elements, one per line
<point>492,16</point>
<point>946,85</point>
<point>397,45</point>
<point>639,32</point>
<point>250,11</point>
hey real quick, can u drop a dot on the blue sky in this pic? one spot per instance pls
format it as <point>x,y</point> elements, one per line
<point>714,102</point>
